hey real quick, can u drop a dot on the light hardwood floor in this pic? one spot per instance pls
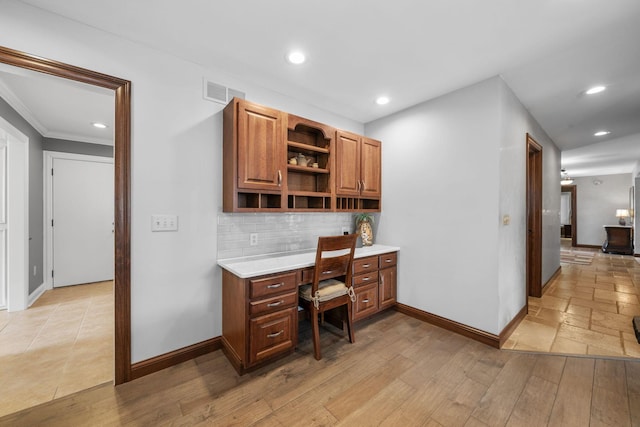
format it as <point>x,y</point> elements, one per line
<point>587,309</point>
<point>60,345</point>
<point>399,372</point>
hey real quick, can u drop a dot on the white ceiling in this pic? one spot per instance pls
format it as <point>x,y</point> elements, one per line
<point>59,108</point>
<point>548,52</point>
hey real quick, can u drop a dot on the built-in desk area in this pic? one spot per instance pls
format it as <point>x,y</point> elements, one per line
<point>260,299</point>
<point>619,239</point>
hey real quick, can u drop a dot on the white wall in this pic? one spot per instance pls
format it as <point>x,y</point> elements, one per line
<point>176,169</point>
<point>452,167</point>
<point>440,185</point>
<point>597,204</point>
<point>515,123</point>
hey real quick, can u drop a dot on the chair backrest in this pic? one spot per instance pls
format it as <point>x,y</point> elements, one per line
<point>334,258</point>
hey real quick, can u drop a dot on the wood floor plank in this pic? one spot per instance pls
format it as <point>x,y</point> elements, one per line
<point>632,370</point>
<point>496,405</point>
<point>380,406</point>
<point>572,406</point>
<point>439,379</point>
<point>533,408</point>
<point>610,404</point>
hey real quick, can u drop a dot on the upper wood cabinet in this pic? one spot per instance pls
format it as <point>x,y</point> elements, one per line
<point>370,168</point>
<point>358,171</point>
<point>253,158</point>
<point>274,161</point>
<point>259,137</point>
<point>347,164</point>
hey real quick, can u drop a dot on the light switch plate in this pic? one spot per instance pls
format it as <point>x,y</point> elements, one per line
<point>164,222</point>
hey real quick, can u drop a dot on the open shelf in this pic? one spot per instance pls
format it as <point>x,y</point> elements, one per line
<point>309,201</point>
<point>306,169</point>
<point>355,204</point>
<point>306,148</point>
<point>259,201</point>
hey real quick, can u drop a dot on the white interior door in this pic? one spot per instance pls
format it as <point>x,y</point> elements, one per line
<point>3,223</point>
<point>83,239</point>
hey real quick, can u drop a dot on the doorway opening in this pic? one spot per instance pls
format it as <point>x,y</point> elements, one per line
<point>122,189</point>
<point>568,214</point>
<point>534,218</point>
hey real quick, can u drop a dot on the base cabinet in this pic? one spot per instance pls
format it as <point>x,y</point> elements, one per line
<point>260,314</point>
<point>375,284</point>
<point>259,318</point>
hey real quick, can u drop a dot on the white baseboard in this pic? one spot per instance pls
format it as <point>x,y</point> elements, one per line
<point>33,297</point>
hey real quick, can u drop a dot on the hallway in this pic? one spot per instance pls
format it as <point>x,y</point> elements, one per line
<point>586,310</point>
<point>60,345</point>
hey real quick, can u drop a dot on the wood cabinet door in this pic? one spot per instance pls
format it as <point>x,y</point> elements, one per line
<point>347,164</point>
<point>387,285</point>
<point>366,301</point>
<point>370,168</point>
<point>260,145</point>
<point>272,334</point>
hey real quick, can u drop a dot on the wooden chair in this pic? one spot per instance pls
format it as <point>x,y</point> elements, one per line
<point>332,284</point>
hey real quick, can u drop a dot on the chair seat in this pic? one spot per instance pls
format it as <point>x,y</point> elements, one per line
<point>327,290</point>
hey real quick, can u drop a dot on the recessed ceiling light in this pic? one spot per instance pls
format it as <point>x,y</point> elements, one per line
<point>602,133</point>
<point>595,89</point>
<point>382,100</point>
<point>99,125</point>
<point>296,57</point>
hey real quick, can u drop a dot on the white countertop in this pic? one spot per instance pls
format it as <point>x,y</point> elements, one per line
<point>245,267</point>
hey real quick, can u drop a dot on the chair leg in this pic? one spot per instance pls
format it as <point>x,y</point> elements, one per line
<point>352,337</point>
<point>315,329</point>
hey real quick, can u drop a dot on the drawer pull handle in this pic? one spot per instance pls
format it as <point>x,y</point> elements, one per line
<point>277,285</point>
<point>387,260</point>
<point>327,272</point>
<point>365,300</point>
<point>366,279</point>
<point>275,334</point>
<point>367,265</point>
<point>275,304</point>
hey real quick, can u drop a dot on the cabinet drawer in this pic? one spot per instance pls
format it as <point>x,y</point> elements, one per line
<point>363,265</point>
<point>388,260</point>
<point>366,301</point>
<point>366,278</point>
<point>272,304</point>
<point>272,285</point>
<point>306,275</point>
<point>272,334</point>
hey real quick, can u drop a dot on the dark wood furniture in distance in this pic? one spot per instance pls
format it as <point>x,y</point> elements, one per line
<point>619,240</point>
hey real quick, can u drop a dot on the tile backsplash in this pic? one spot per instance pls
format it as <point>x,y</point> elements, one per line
<point>281,232</point>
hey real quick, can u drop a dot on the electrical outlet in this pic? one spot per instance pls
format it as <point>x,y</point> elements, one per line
<point>345,230</point>
<point>164,222</point>
<point>253,239</point>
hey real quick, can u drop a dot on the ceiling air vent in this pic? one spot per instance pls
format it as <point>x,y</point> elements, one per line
<point>218,93</point>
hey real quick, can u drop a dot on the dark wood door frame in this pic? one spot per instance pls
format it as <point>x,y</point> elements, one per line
<point>574,216</point>
<point>534,218</point>
<point>122,189</point>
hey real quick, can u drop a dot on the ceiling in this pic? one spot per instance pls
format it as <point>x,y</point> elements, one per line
<point>59,108</point>
<point>548,51</point>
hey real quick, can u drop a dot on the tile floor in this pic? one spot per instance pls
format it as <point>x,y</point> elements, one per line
<point>587,309</point>
<point>62,344</point>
